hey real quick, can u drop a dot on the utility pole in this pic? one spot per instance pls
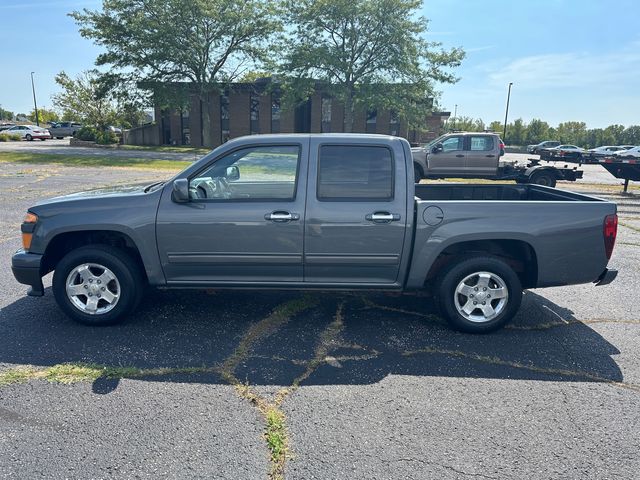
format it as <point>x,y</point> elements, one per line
<point>455,114</point>
<point>35,105</point>
<point>506,114</point>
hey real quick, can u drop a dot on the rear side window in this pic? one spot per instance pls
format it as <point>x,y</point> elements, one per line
<point>355,173</point>
<point>482,144</point>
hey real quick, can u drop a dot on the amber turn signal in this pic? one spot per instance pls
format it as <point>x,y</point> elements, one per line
<point>26,240</point>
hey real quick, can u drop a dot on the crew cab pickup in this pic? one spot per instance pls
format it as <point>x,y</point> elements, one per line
<point>64,129</point>
<point>329,212</point>
<point>477,155</point>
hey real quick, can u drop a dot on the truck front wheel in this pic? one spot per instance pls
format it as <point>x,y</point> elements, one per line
<point>97,284</point>
<point>479,294</point>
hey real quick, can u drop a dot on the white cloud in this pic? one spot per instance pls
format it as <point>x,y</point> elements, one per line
<point>572,70</point>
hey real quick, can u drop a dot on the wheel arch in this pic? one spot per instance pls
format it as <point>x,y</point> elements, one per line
<point>518,254</point>
<point>65,242</point>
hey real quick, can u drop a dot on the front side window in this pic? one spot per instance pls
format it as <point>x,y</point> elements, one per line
<point>254,173</point>
<point>452,144</point>
<point>355,173</point>
<point>481,144</point>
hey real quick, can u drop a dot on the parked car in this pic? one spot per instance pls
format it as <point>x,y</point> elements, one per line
<point>535,149</point>
<point>477,155</point>
<point>64,129</point>
<point>6,126</point>
<point>630,153</point>
<point>592,155</point>
<point>315,212</point>
<point>29,132</point>
<point>566,152</point>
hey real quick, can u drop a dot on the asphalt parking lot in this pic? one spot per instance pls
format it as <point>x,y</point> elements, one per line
<point>370,386</point>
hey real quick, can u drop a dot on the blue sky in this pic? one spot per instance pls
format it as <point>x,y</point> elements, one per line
<point>568,59</point>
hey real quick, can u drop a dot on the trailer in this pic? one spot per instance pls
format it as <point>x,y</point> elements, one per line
<point>624,168</point>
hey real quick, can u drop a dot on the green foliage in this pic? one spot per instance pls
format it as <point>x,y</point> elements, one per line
<point>44,116</point>
<point>537,131</point>
<point>358,45</point>
<point>83,98</point>
<point>88,134</point>
<point>106,138</point>
<point>6,114</point>
<point>466,124</point>
<point>5,137</point>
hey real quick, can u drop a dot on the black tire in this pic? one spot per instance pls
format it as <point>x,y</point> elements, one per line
<point>123,266</point>
<point>458,271</point>
<point>417,173</point>
<point>28,137</point>
<point>546,179</point>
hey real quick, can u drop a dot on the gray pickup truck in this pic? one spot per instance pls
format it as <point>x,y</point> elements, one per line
<point>477,155</point>
<point>329,212</point>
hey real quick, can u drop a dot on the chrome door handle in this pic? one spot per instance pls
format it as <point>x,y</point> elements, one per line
<point>281,217</point>
<point>382,217</point>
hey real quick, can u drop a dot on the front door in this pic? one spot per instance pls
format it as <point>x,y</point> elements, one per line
<point>244,221</point>
<point>356,213</point>
<point>450,160</point>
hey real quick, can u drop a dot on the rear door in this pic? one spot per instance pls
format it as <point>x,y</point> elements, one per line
<point>450,160</point>
<point>356,212</point>
<point>482,155</point>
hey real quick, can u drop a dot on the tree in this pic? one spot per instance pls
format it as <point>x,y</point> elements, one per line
<point>537,131</point>
<point>631,135</point>
<point>572,132</point>
<point>6,114</point>
<point>496,126</point>
<point>516,132</point>
<point>44,116</point>
<point>371,53</point>
<point>202,42</point>
<point>84,98</point>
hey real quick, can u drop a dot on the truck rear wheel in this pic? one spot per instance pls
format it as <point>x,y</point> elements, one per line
<point>97,285</point>
<point>546,179</point>
<point>479,294</point>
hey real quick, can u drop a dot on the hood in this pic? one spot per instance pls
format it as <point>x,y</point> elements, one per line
<point>106,192</point>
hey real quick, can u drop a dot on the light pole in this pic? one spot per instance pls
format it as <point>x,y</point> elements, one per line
<point>35,105</point>
<point>455,114</point>
<point>506,114</point>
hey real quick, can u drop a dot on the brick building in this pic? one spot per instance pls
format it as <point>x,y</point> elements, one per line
<point>253,108</point>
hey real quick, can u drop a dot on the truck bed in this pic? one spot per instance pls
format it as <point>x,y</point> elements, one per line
<point>524,192</point>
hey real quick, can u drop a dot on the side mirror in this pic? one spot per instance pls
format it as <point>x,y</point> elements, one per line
<point>232,173</point>
<point>437,148</point>
<point>181,190</point>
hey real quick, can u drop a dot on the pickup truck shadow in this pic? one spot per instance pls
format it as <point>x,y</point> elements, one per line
<point>372,336</point>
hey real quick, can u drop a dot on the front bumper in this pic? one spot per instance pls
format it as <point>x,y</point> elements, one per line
<point>606,277</point>
<point>26,269</point>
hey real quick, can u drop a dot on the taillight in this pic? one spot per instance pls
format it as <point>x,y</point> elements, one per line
<point>610,231</point>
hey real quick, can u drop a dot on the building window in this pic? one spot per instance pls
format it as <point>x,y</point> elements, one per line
<point>372,118</point>
<point>254,113</point>
<point>275,113</point>
<point>394,124</point>
<point>326,115</point>
<point>224,116</point>
<point>186,130</point>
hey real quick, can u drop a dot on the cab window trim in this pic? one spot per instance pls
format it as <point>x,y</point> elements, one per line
<point>389,199</point>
